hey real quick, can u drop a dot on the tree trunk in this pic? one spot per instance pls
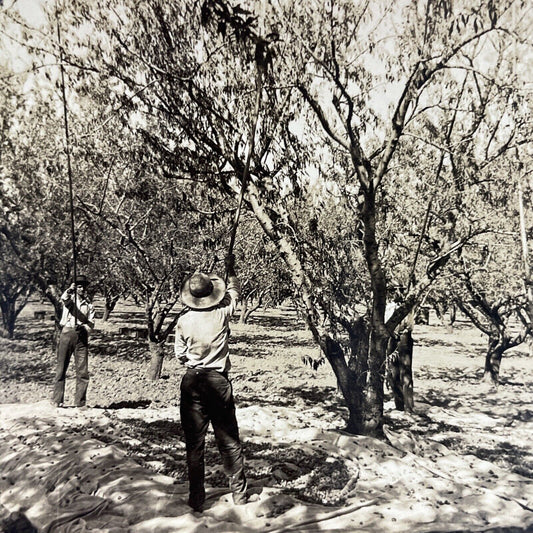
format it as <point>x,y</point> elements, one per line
<point>362,388</point>
<point>157,353</point>
<point>496,347</point>
<point>440,311</point>
<point>109,305</point>
<point>9,317</point>
<point>453,314</point>
<point>106,313</point>
<point>373,393</point>
<point>379,336</point>
<point>249,307</point>
<point>251,310</point>
<point>446,315</point>
<point>400,375</point>
<point>244,308</point>
<point>365,383</point>
<point>349,385</point>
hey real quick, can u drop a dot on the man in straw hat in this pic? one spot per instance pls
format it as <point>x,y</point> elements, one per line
<point>77,321</point>
<point>206,392</point>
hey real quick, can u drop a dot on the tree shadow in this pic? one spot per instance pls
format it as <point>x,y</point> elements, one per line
<point>290,396</point>
<point>126,404</point>
<point>314,395</point>
<point>253,351</point>
<point>452,374</point>
<point>120,346</point>
<point>461,324</point>
<point>480,400</point>
<point>304,473</point>
<point>127,316</point>
<point>249,400</point>
<point>515,456</point>
<point>283,320</point>
<point>429,343</point>
<point>39,335</point>
<point>291,341</point>
<point>157,445</point>
<point>27,371</point>
<point>425,422</point>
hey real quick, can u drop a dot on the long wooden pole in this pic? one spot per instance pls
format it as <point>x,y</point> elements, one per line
<point>69,166</point>
<point>427,214</point>
<point>523,236</point>
<point>251,146</point>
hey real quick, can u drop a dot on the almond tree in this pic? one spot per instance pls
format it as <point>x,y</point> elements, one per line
<point>154,239</point>
<point>337,90</point>
<point>489,283</point>
<point>133,227</point>
<point>495,306</point>
<point>271,102</point>
<point>33,233</point>
<point>265,281</point>
<point>15,282</point>
<point>525,190</point>
<point>15,289</point>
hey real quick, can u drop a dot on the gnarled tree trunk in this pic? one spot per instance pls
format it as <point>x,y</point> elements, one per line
<point>110,303</point>
<point>244,309</point>
<point>9,317</point>
<point>347,380</point>
<point>157,354</point>
<point>400,370</point>
<point>361,382</point>
<point>13,298</point>
<point>496,347</point>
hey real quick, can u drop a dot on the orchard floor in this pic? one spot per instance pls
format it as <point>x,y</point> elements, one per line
<point>462,462</point>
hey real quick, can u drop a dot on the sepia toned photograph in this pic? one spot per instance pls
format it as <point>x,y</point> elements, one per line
<point>266,266</point>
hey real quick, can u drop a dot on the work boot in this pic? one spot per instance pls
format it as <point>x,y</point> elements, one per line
<point>238,486</point>
<point>197,503</point>
<point>197,498</point>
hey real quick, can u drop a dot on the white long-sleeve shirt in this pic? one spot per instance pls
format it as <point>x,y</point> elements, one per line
<point>85,314</point>
<point>202,335</point>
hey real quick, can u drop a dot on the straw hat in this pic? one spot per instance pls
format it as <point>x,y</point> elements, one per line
<point>202,291</point>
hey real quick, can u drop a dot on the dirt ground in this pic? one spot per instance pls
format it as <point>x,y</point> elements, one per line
<point>278,396</point>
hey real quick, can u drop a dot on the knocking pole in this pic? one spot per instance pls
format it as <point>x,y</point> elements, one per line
<point>430,202</point>
<point>69,166</point>
<point>246,171</point>
<point>523,235</point>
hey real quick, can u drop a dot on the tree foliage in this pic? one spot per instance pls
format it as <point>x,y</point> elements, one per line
<point>362,135</point>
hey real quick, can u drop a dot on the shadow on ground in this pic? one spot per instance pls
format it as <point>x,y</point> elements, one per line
<point>282,319</point>
<point>305,474</point>
<point>289,341</point>
<point>446,390</point>
<point>126,404</point>
<point>26,371</point>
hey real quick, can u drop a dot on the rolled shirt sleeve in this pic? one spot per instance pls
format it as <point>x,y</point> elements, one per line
<point>233,294</point>
<point>180,345</point>
<point>84,312</point>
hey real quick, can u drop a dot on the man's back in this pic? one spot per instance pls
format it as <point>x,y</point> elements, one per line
<point>202,334</point>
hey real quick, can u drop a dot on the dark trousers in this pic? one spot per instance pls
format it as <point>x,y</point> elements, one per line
<point>72,341</point>
<point>207,396</point>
